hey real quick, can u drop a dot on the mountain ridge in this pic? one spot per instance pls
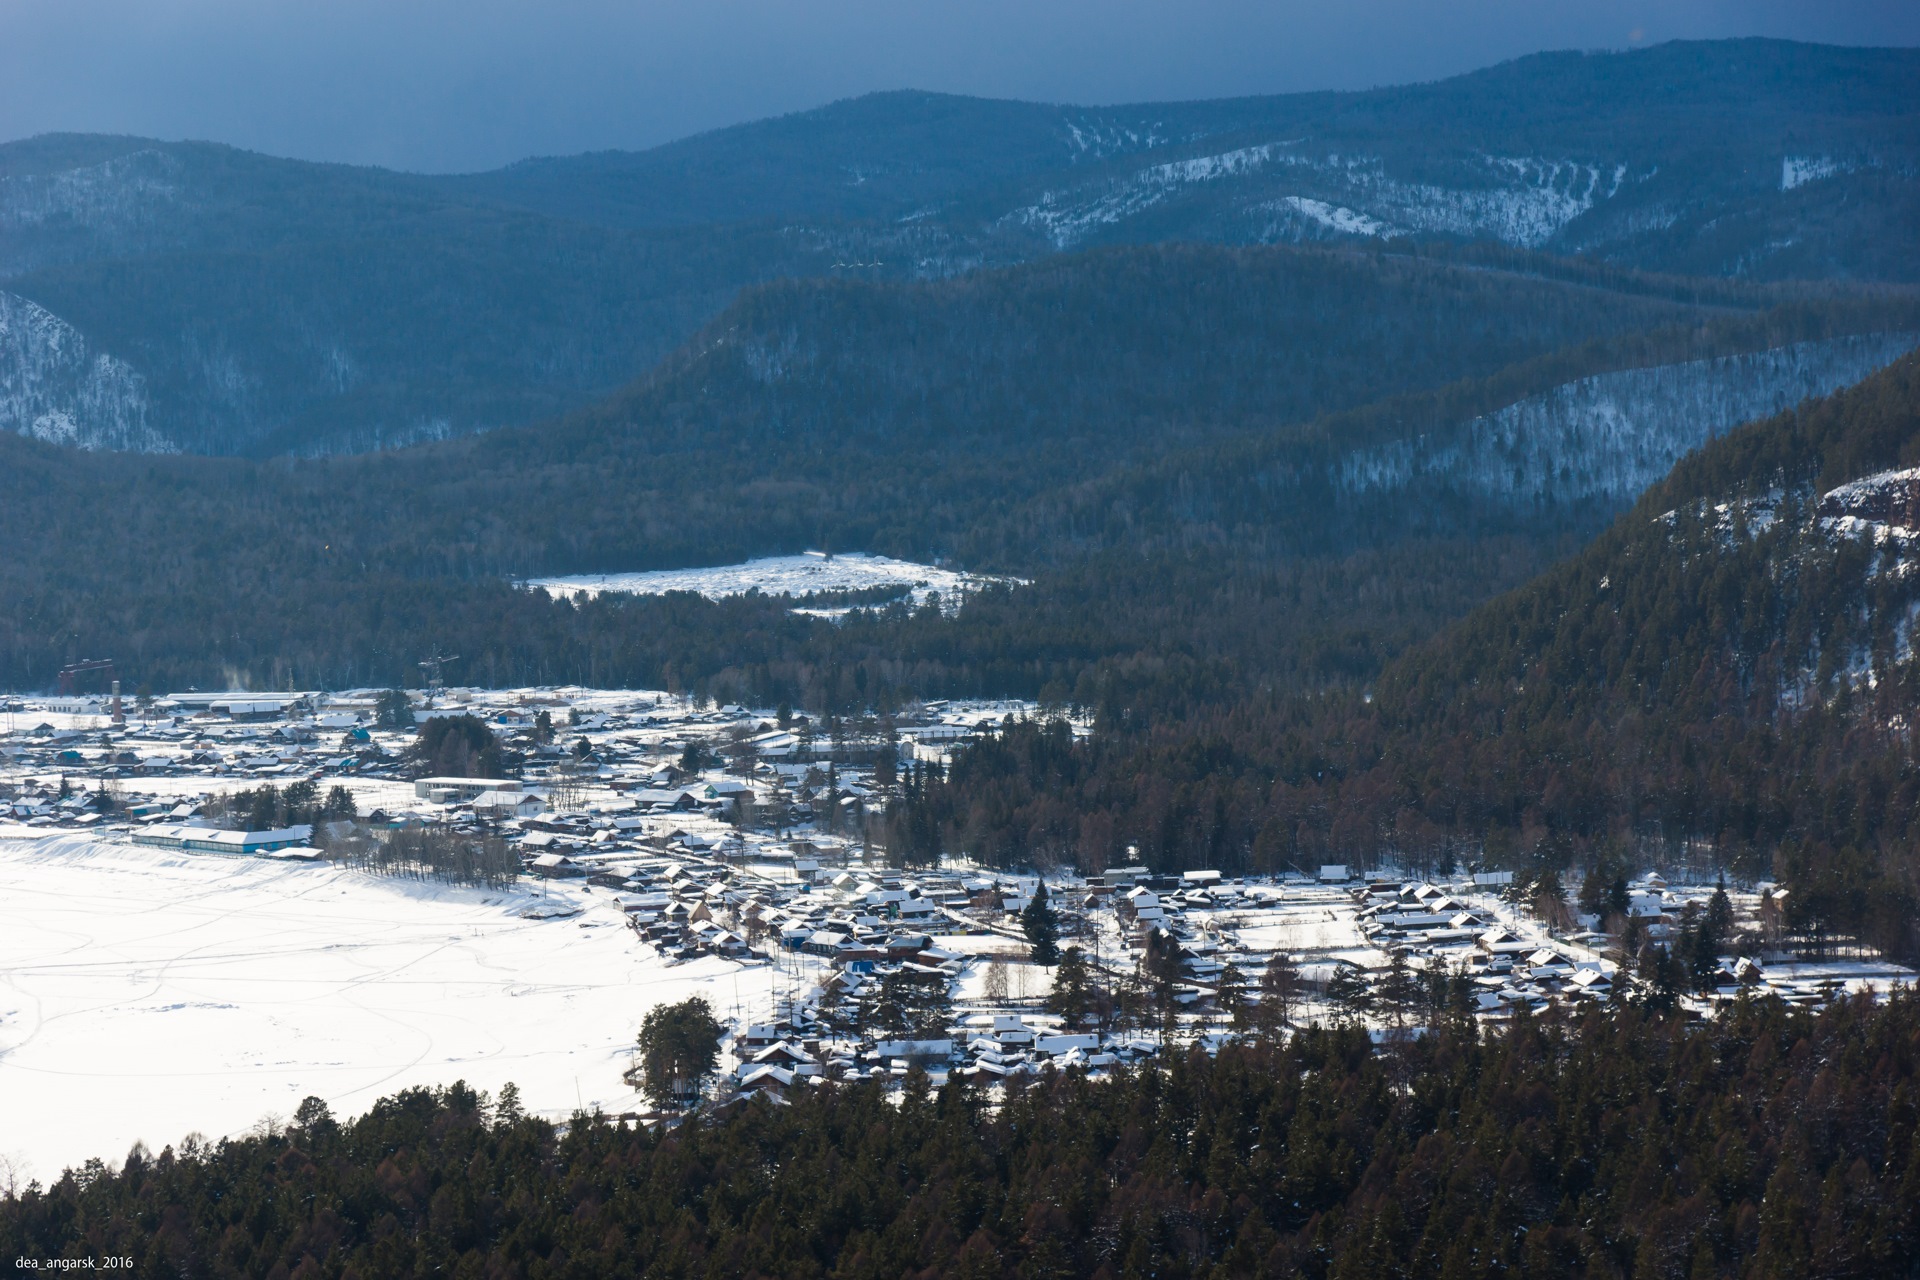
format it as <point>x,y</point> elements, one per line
<point>1736,159</point>
<point>1096,422</point>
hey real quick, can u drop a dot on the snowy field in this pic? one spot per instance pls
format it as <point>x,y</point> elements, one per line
<point>775,575</point>
<point>148,993</point>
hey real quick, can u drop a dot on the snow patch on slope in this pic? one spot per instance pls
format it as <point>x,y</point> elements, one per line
<point>1525,202</point>
<point>1611,436</point>
<point>1339,218</point>
<point>1065,223</point>
<point>1798,171</point>
<point>1884,509</point>
<point>1521,200</point>
<point>53,387</point>
<point>1093,139</point>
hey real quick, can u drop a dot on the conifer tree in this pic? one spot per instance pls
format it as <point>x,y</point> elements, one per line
<point>392,711</point>
<point>1042,926</point>
<point>1349,993</point>
<point>1230,994</point>
<point>1072,994</point>
<point>679,1048</point>
<point>1279,993</point>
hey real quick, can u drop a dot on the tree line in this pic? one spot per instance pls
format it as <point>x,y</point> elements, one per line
<point>1767,1142</point>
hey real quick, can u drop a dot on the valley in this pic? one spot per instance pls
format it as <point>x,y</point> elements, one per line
<point>1313,685</point>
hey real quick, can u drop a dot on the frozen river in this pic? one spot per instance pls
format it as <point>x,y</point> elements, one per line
<point>147,993</point>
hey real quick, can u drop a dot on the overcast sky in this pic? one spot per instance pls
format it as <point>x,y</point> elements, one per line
<point>466,84</point>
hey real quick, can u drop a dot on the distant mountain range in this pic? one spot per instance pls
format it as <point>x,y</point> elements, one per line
<point>244,304</point>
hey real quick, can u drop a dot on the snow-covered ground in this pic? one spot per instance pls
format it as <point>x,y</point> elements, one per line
<point>145,994</point>
<point>775,575</point>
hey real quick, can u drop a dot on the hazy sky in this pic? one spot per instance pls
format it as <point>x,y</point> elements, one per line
<point>464,84</point>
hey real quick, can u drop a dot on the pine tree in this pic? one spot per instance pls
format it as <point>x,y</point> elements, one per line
<point>1593,892</point>
<point>1072,993</point>
<point>393,712</point>
<point>1661,973</point>
<point>1349,993</point>
<point>679,1047</point>
<point>1399,989</point>
<point>1042,927</point>
<point>904,1004</point>
<point>1619,898</point>
<point>1279,993</point>
<point>1230,994</point>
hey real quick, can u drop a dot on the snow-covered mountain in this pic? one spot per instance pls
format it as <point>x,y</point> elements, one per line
<point>1611,436</point>
<point>275,306</point>
<point>54,386</point>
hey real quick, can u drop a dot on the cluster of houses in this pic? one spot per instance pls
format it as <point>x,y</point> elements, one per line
<point>37,804</point>
<point>204,746</point>
<point>724,834</point>
<point>1508,969</point>
<point>775,1057</point>
<point>843,935</point>
<point>728,905</point>
<point>627,747</point>
<point>1146,902</point>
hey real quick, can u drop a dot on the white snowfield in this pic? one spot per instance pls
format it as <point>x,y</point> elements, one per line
<point>774,575</point>
<point>146,994</point>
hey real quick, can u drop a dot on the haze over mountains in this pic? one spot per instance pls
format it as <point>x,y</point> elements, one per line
<point>250,305</point>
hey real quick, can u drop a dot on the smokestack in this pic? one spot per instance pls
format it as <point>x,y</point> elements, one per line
<point>119,712</point>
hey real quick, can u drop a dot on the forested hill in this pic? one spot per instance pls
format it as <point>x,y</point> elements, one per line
<point>1732,663</point>
<point>893,417</point>
<point>1036,419</point>
<point>259,306</point>
<point>1727,673</point>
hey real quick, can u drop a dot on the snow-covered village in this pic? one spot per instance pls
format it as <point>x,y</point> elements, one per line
<point>213,905</point>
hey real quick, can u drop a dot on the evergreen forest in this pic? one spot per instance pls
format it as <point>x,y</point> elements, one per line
<point>1769,1142</point>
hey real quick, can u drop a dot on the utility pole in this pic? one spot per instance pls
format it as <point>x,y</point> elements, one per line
<point>431,666</point>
